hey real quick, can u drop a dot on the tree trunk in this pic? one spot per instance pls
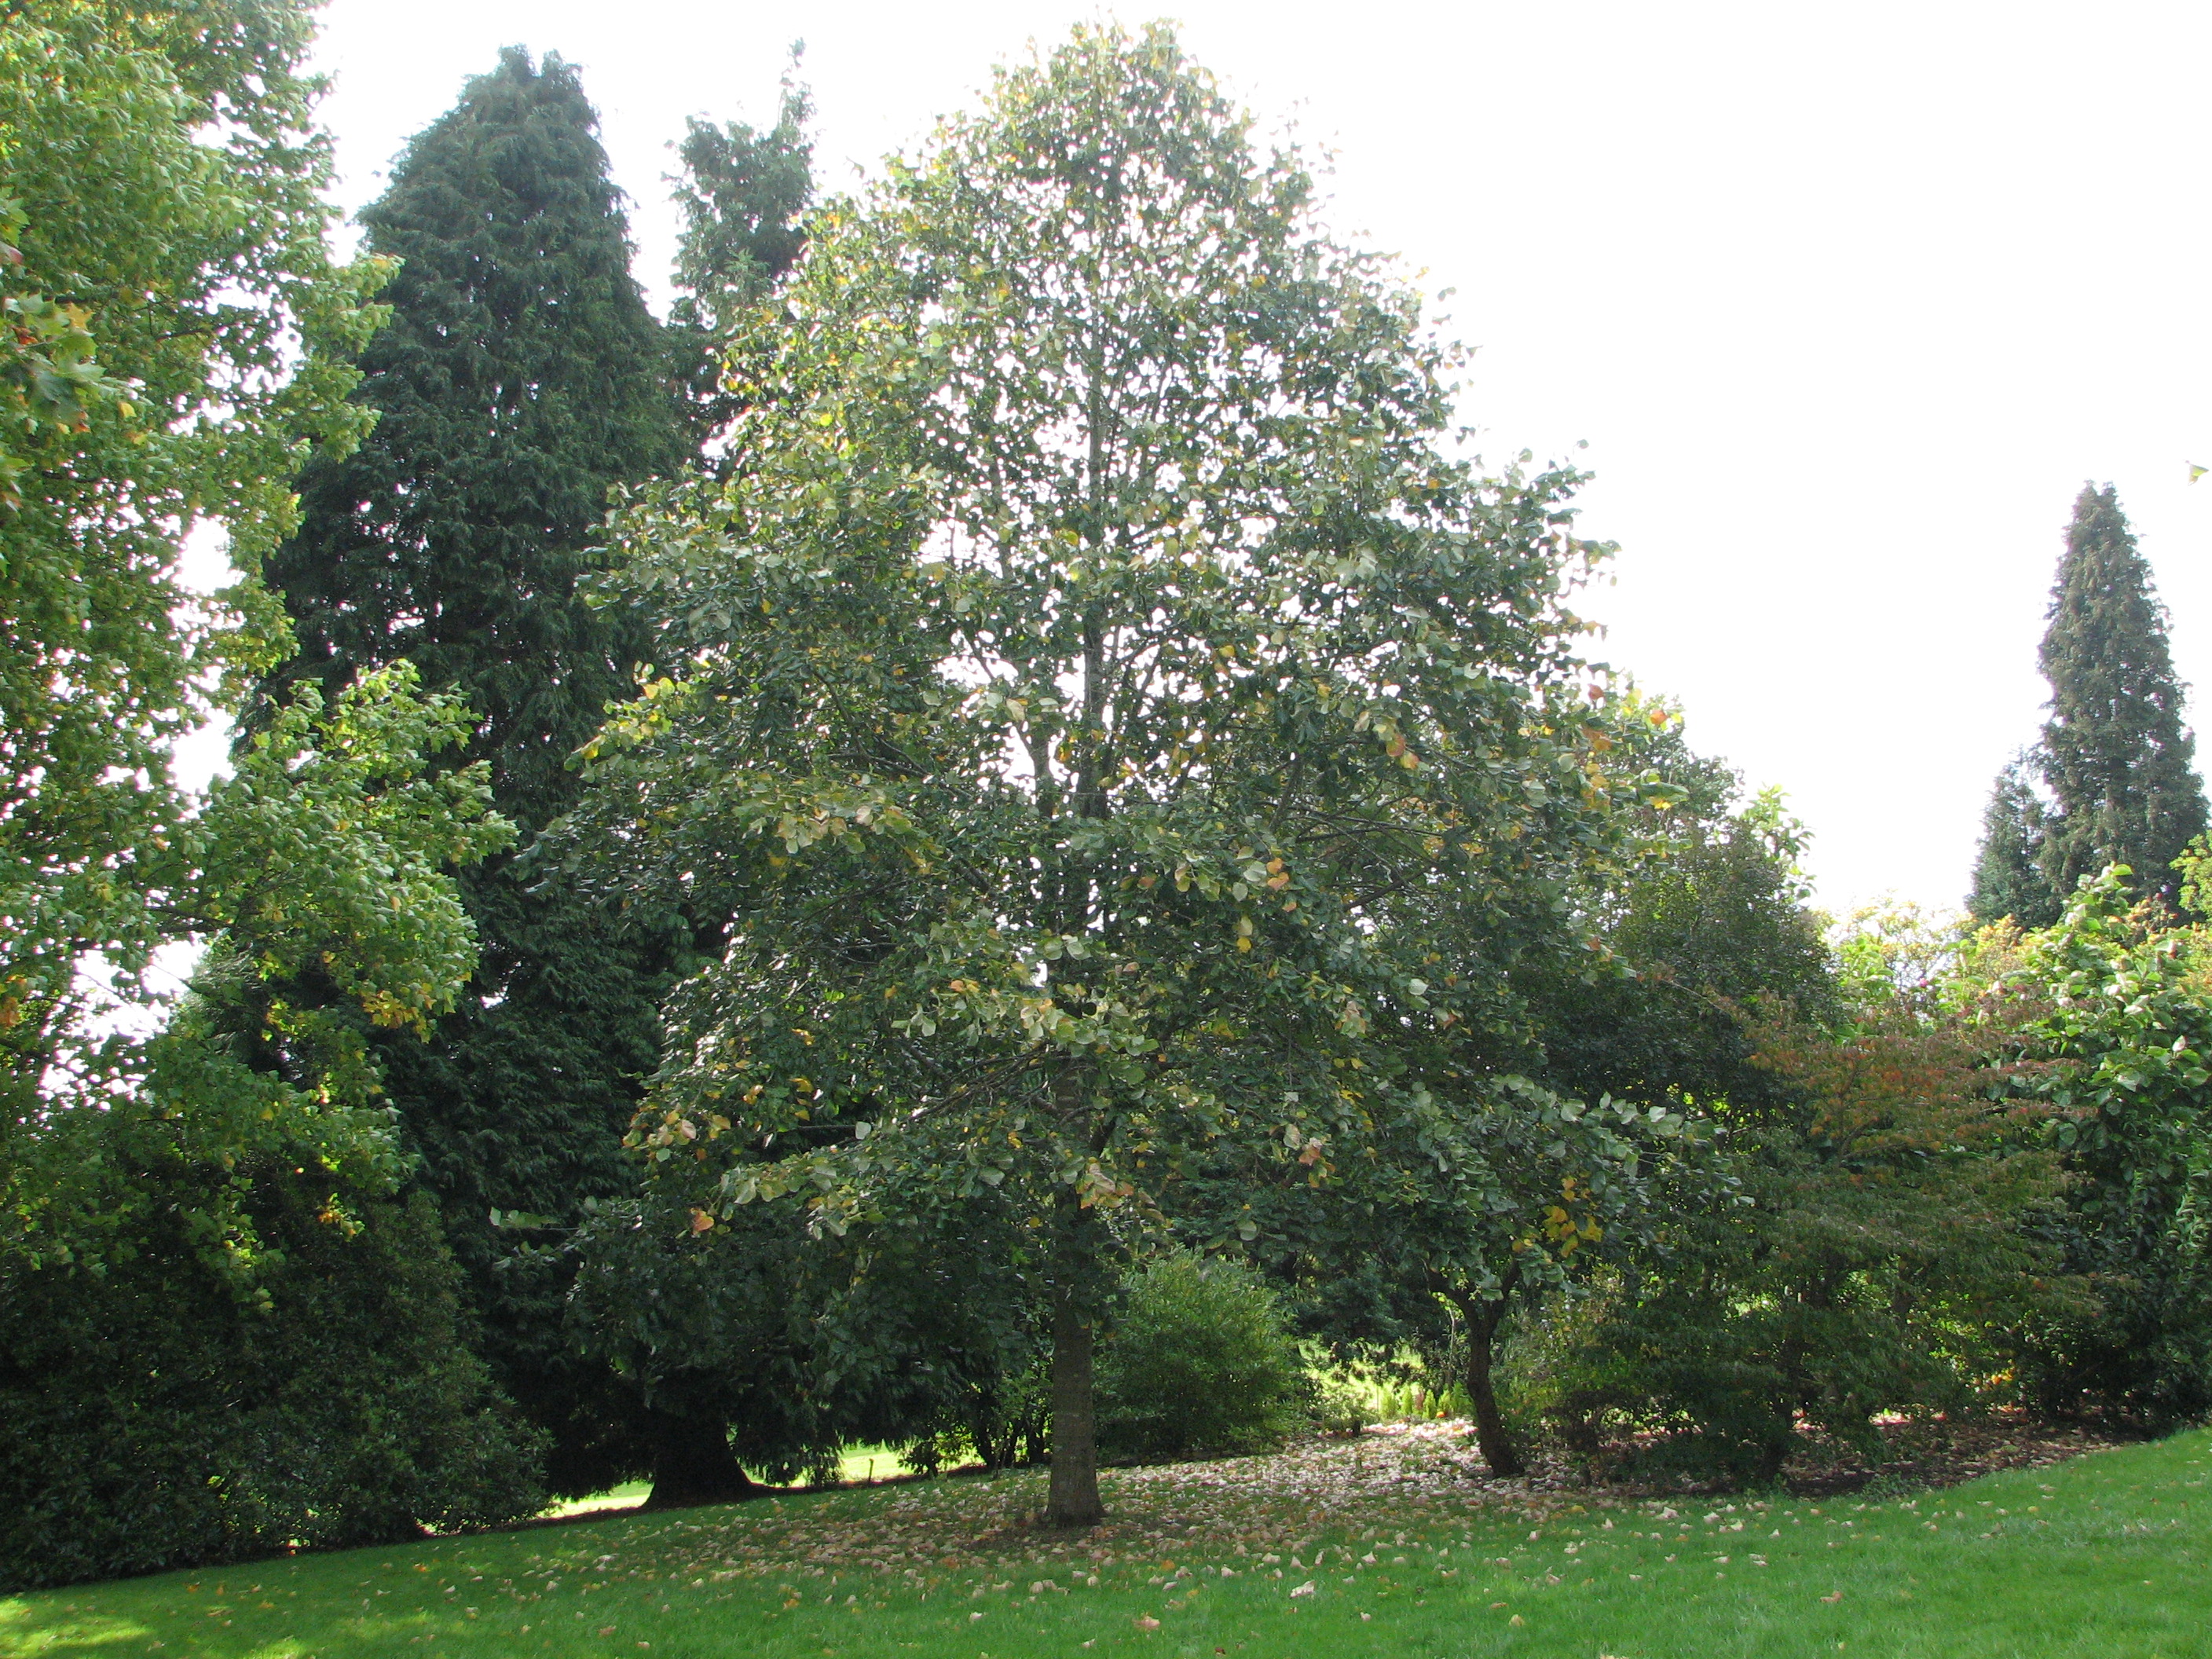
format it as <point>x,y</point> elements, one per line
<point>1483,1319</point>
<point>1072,1498</point>
<point>692,1463</point>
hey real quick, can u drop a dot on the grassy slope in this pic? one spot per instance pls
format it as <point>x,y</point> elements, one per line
<point>2104,1556</point>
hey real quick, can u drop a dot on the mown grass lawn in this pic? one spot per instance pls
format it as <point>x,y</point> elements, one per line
<point>1405,1553</point>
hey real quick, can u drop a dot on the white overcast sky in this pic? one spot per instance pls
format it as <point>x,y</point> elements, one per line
<point>1848,301</point>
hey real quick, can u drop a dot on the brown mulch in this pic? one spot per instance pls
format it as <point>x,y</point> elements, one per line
<point>1940,1453</point>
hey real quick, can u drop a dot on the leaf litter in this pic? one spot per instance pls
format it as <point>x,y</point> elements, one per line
<point>1398,1508</point>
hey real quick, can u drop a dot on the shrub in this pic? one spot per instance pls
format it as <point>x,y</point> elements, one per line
<point>165,1414</point>
<point>1341,1402</point>
<point>1202,1364</point>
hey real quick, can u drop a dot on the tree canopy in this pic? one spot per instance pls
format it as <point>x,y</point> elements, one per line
<point>745,193</point>
<point>2009,875</point>
<point>177,337</point>
<point>1095,657</point>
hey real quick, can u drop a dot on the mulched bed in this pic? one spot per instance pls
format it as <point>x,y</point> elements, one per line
<point>1943,1454</point>
<point>1918,1455</point>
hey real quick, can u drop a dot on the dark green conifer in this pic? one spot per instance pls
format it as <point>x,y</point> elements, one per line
<point>2119,762</point>
<point>520,378</point>
<point>2008,881</point>
<point>745,195</point>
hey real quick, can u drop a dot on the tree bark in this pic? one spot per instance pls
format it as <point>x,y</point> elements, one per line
<point>692,1462</point>
<point>1483,1319</point>
<point>1072,1497</point>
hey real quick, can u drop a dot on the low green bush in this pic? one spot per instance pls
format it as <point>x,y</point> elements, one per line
<point>1202,1364</point>
<point>1342,1403</point>
<point>162,1414</point>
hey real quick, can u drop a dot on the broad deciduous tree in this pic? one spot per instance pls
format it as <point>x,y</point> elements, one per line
<point>1092,649</point>
<point>177,339</point>
<point>2117,1055</point>
<point>176,336</point>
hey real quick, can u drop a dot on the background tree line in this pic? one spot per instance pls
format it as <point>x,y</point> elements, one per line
<point>1061,841</point>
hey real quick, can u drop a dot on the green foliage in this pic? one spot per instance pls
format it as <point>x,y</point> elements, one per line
<point>711,1329</point>
<point>327,845</point>
<point>1092,642</point>
<point>2116,1052</point>
<point>744,196</point>
<point>219,1333</point>
<point>960,1323</point>
<point>926,1338</point>
<point>1484,1196</point>
<point>1497,1194</point>
<point>2119,763</point>
<point>1344,1402</point>
<point>158,1417</point>
<point>2010,882</point>
<point>176,338</point>
<point>521,379</point>
<point>999,1418</point>
<point>1896,956</point>
<point>1702,913</point>
<point>1200,1363</point>
<point>1882,1251</point>
<point>167,185</point>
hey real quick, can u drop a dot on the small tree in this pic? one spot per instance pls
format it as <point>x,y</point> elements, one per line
<point>1092,643</point>
<point>1879,1249</point>
<point>1703,910</point>
<point>2120,764</point>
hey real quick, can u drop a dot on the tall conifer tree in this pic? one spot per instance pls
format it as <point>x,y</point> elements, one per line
<point>745,193</point>
<point>521,376</point>
<point>2008,878</point>
<point>2116,757</point>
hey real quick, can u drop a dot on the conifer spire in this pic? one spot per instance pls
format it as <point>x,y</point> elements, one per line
<point>2118,761</point>
<point>521,377</point>
<point>2008,881</point>
<point>745,193</point>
